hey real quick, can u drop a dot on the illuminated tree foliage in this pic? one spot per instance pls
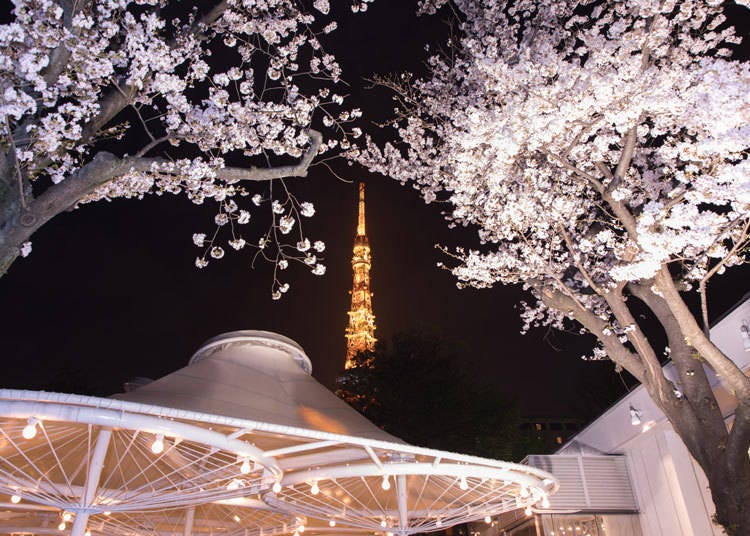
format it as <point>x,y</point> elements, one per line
<point>601,149</point>
<point>121,98</point>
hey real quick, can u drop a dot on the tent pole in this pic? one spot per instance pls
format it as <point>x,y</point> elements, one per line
<point>92,481</point>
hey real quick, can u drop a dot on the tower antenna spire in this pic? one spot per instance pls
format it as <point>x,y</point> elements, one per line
<point>361,220</point>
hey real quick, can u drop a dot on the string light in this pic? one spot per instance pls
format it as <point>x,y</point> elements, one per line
<point>157,447</point>
<point>545,502</point>
<point>301,528</point>
<point>527,511</point>
<point>29,431</point>
<point>439,522</point>
<point>236,518</point>
<point>314,489</point>
<point>87,533</point>
<point>383,523</point>
<point>463,484</point>
<point>276,487</point>
<point>61,526</point>
<point>332,523</point>
<point>487,519</point>
<point>15,499</point>
<point>107,513</point>
<point>386,484</point>
<point>67,516</point>
<point>524,492</point>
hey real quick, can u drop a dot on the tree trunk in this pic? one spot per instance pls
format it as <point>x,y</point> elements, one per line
<point>730,490</point>
<point>10,213</point>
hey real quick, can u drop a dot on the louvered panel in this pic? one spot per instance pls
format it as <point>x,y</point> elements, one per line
<point>608,483</point>
<point>590,483</point>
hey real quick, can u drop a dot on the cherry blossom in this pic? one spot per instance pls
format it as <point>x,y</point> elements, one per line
<point>126,98</point>
<point>601,150</point>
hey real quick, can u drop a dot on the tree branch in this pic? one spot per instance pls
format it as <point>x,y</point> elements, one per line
<point>596,326</point>
<point>724,367</point>
<point>236,174</point>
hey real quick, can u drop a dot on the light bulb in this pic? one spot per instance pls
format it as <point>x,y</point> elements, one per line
<point>439,522</point>
<point>29,431</point>
<point>524,491</point>
<point>296,533</point>
<point>276,487</point>
<point>236,518</point>
<point>61,526</point>
<point>157,447</point>
<point>386,484</point>
<point>487,519</point>
<point>463,484</point>
<point>527,511</point>
<point>332,523</point>
<point>545,502</point>
<point>383,523</point>
<point>301,528</point>
<point>15,499</point>
<point>67,516</point>
<point>107,513</point>
<point>87,533</point>
<point>314,489</point>
<point>245,467</point>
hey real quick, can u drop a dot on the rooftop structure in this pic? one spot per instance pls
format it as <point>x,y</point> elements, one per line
<point>242,441</point>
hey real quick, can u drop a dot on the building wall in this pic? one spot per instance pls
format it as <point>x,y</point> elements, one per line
<point>671,489</point>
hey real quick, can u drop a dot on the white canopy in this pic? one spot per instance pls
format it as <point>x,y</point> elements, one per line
<point>244,421</point>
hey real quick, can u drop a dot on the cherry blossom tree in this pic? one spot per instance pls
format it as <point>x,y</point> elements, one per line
<point>601,149</point>
<point>121,98</point>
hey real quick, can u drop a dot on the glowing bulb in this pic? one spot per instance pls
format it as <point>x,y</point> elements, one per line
<point>15,499</point>
<point>296,533</point>
<point>545,502</point>
<point>463,484</point>
<point>386,484</point>
<point>524,491</point>
<point>29,431</point>
<point>487,519</point>
<point>157,447</point>
<point>67,516</point>
<point>245,467</point>
<point>439,522</point>
<point>527,511</point>
<point>301,528</point>
<point>314,489</point>
<point>236,518</point>
<point>276,487</point>
<point>332,523</point>
<point>87,533</point>
<point>383,523</point>
<point>107,513</point>
<point>61,526</point>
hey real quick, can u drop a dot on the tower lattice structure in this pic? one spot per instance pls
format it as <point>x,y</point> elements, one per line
<point>360,334</point>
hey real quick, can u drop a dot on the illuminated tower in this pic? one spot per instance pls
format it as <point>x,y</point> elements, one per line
<point>360,334</point>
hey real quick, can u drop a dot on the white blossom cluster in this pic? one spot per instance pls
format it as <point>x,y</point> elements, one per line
<point>524,127</point>
<point>240,84</point>
<point>272,246</point>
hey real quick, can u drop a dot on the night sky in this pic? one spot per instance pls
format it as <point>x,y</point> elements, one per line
<point>110,291</point>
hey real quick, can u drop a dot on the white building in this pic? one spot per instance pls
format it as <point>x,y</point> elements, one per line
<point>666,493</point>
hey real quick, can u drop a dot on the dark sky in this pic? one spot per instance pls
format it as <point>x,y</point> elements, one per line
<point>110,290</point>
